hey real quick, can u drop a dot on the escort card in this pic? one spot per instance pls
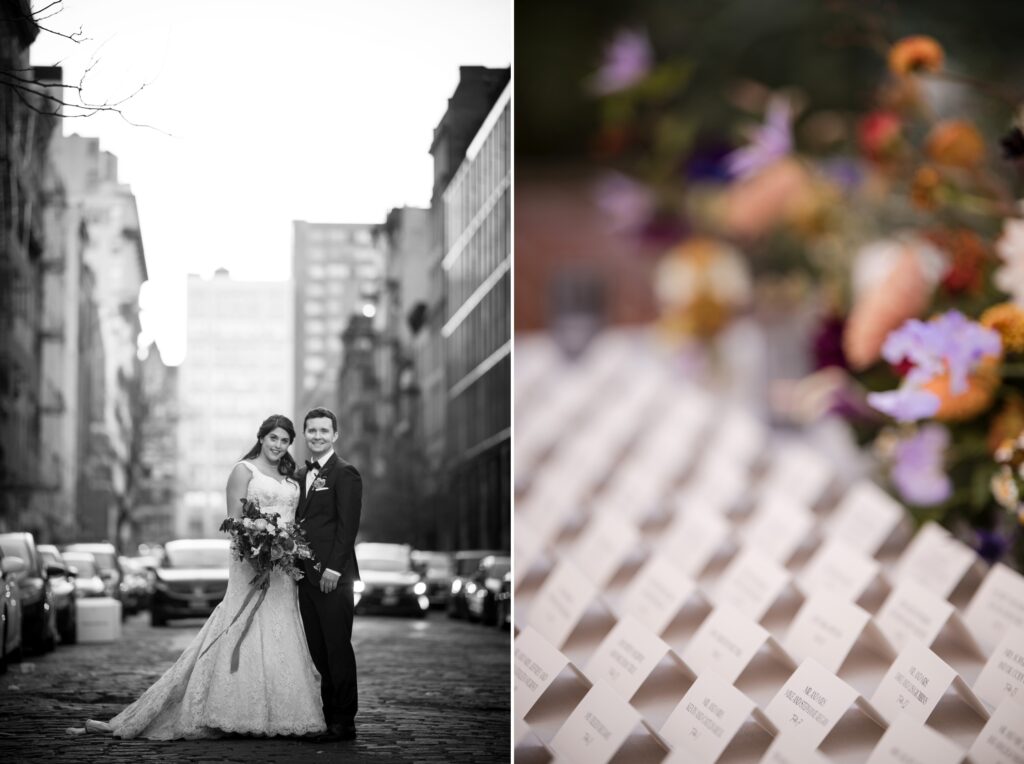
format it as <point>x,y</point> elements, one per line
<point>597,728</point>
<point>1002,739</point>
<point>839,570</point>
<point>810,703</point>
<point>913,685</point>
<point>626,657</point>
<point>537,664</point>
<point>935,560</point>
<point>560,603</point>
<point>825,628</point>
<point>742,436</point>
<point>725,643</point>
<point>910,742</point>
<point>522,732</point>
<point>751,584</point>
<point>605,542</point>
<point>527,549</point>
<point>706,719</point>
<point>997,606</point>
<point>693,539</point>
<point>865,517</point>
<point>799,472</point>
<point>1003,674</point>
<point>656,593</point>
<point>910,613</point>
<point>718,485</point>
<point>778,526</point>
<point>787,748</point>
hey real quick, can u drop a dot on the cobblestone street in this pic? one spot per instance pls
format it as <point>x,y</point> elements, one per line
<point>434,690</point>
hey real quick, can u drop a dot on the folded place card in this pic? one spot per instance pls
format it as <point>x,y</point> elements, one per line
<point>718,485</point>
<point>547,511</point>
<point>708,718</point>
<point>912,613</point>
<point>537,663</point>
<point>560,603</point>
<point>799,472</point>
<point>693,539</point>
<point>741,436</point>
<point>725,643</point>
<point>838,569</point>
<point>997,606</point>
<point>865,517</point>
<point>656,593</point>
<point>787,748</point>
<point>1002,739</point>
<point>826,629</point>
<point>751,584</point>
<point>523,734</point>
<point>596,728</point>
<point>605,543</point>
<point>626,657</point>
<point>778,526</point>
<point>916,682</point>
<point>935,560</point>
<point>810,703</point>
<point>908,741</point>
<point>527,549</point>
<point>1003,674</point>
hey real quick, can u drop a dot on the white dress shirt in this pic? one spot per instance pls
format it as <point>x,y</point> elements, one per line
<point>312,475</point>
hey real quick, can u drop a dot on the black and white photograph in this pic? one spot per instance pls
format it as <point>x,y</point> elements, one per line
<point>255,380</point>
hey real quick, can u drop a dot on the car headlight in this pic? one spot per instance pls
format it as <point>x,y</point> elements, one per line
<point>456,586</point>
<point>470,587</point>
<point>419,588</point>
<point>358,587</point>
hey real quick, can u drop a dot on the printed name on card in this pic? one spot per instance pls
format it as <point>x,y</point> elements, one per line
<point>605,543</point>
<point>916,682</point>
<point>560,603</point>
<point>799,472</point>
<point>935,560</point>
<point>725,643</point>
<point>865,518</point>
<point>826,629</point>
<point>751,584</point>
<point>693,539</point>
<point>626,657</point>
<point>912,613</point>
<point>997,606</point>
<point>810,703</point>
<point>657,592</point>
<point>537,663</point>
<point>1003,674</point>
<point>1001,740</point>
<point>596,728</point>
<point>839,570</point>
<point>910,742</point>
<point>790,749</point>
<point>778,527</point>
<point>706,719</point>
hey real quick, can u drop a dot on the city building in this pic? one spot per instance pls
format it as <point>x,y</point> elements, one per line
<point>157,500</point>
<point>237,371</point>
<point>477,333</point>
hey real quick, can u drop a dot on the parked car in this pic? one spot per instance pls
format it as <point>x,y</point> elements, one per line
<point>467,563</point>
<point>483,588</point>
<point>135,586</point>
<point>504,619</point>
<point>191,579</point>
<point>390,584</point>
<point>10,609</point>
<point>107,565</point>
<point>87,575</point>
<point>437,569</point>
<point>38,611</point>
<point>62,581</point>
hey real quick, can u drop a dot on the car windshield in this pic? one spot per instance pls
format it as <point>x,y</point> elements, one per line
<point>49,557</point>
<point>390,565</point>
<point>197,557</point>
<point>15,547</point>
<point>85,566</point>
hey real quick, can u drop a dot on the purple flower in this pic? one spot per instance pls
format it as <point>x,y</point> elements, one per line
<point>627,205</point>
<point>769,142</point>
<point>991,545</point>
<point>827,343</point>
<point>918,472</point>
<point>905,404</point>
<point>627,60</point>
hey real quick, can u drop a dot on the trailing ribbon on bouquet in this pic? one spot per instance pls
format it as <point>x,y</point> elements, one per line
<point>260,584</point>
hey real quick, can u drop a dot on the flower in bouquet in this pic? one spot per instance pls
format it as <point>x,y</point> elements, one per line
<point>769,142</point>
<point>1008,482</point>
<point>916,53</point>
<point>957,143</point>
<point>627,60</point>
<point>1010,248</point>
<point>918,470</point>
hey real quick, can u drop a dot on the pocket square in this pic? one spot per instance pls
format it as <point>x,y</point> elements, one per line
<point>321,488</point>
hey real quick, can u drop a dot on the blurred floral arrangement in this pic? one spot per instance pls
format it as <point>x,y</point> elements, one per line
<point>899,225</point>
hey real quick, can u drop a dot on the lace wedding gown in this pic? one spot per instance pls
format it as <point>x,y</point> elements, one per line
<point>276,690</point>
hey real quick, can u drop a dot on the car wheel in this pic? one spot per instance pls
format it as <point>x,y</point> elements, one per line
<point>489,615</point>
<point>502,615</point>
<point>157,618</point>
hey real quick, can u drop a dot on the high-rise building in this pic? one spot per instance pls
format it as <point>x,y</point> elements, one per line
<point>477,333</point>
<point>237,371</point>
<point>159,491</point>
<point>337,270</point>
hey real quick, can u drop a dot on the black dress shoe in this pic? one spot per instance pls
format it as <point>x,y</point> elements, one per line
<point>336,732</point>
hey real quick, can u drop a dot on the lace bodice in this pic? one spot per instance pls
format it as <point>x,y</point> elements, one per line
<point>281,496</point>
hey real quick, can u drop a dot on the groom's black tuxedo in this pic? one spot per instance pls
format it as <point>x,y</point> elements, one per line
<point>330,516</point>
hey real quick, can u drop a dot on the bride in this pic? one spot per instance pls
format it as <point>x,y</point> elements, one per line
<point>276,689</point>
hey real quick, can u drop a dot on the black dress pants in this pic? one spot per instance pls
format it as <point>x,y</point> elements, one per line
<point>327,619</point>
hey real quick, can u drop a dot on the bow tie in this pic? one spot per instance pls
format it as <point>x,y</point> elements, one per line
<point>313,466</point>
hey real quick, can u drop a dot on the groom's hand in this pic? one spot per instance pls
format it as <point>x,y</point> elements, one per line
<point>329,581</point>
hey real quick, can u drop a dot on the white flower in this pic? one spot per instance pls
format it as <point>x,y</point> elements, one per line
<point>1010,277</point>
<point>261,524</point>
<point>247,523</point>
<point>271,528</point>
<point>284,534</point>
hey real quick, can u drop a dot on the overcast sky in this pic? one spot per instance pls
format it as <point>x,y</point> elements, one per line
<point>267,112</point>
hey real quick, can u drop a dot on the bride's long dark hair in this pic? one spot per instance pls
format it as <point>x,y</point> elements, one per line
<point>286,465</point>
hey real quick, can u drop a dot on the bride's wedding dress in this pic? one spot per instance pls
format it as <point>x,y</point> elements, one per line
<point>276,690</point>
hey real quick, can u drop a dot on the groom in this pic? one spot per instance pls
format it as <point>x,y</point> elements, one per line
<point>329,507</point>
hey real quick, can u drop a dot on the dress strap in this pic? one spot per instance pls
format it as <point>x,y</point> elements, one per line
<point>252,467</point>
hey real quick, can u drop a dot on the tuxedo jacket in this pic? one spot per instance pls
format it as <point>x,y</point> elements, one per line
<point>329,514</point>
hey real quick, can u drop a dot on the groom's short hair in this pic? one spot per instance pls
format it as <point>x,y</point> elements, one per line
<point>319,412</point>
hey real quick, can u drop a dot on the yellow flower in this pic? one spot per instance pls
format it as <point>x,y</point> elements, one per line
<point>924,188</point>
<point>955,142</point>
<point>917,53</point>
<point>978,397</point>
<point>1007,319</point>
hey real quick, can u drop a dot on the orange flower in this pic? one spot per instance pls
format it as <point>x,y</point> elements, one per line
<point>968,253</point>
<point>1007,319</point>
<point>918,53</point>
<point>1006,425</point>
<point>978,397</point>
<point>955,142</point>
<point>925,187</point>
